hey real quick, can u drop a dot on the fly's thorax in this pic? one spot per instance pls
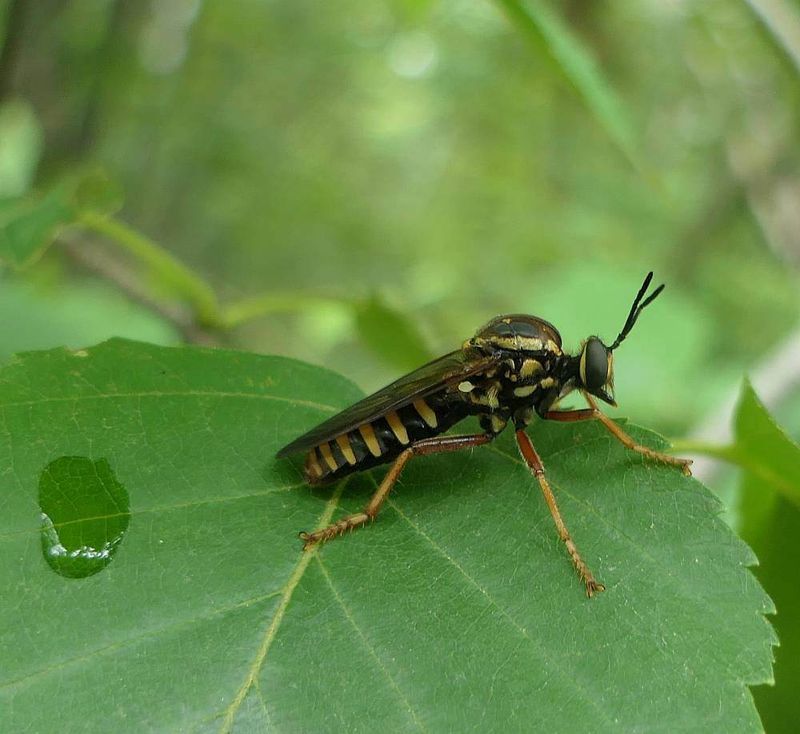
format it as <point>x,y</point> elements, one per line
<point>529,353</point>
<point>481,390</point>
<point>529,379</point>
<point>482,394</point>
<point>521,384</point>
<point>518,333</point>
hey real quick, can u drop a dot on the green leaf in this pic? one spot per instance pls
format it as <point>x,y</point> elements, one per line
<point>770,457</point>
<point>541,25</point>
<point>29,225</point>
<point>776,539</point>
<point>96,190</point>
<point>456,610</point>
<point>21,140</point>
<point>762,444</point>
<point>770,520</point>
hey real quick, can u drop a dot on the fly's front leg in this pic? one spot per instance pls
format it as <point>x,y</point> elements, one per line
<point>439,444</point>
<point>537,469</point>
<point>594,413</point>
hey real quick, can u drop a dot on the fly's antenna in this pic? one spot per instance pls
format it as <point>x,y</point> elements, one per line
<point>636,309</point>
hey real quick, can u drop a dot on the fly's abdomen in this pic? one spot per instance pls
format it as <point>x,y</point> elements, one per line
<point>382,439</point>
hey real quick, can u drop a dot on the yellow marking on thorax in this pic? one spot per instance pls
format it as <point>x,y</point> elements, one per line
<point>347,449</point>
<point>530,367</point>
<point>325,450</point>
<point>397,426</point>
<point>426,412</point>
<point>530,344</point>
<point>514,343</point>
<point>525,390</point>
<point>368,434</point>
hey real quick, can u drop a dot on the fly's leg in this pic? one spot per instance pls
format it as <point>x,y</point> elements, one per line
<point>537,469</point>
<point>439,444</point>
<point>594,413</point>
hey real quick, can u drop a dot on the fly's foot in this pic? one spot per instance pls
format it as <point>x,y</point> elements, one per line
<point>593,587</point>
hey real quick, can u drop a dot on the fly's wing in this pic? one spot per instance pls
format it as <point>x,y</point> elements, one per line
<point>427,379</point>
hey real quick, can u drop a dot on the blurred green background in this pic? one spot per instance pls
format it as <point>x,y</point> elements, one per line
<point>366,183</point>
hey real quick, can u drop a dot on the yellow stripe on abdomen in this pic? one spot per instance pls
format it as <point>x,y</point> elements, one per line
<point>370,439</point>
<point>313,469</point>
<point>426,412</point>
<point>343,442</point>
<point>397,426</point>
<point>325,450</point>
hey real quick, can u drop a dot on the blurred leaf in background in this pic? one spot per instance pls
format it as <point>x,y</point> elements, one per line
<point>29,225</point>
<point>771,460</point>
<point>20,147</point>
<point>391,335</point>
<point>770,522</point>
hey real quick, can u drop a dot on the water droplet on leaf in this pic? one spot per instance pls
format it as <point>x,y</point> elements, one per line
<point>85,512</point>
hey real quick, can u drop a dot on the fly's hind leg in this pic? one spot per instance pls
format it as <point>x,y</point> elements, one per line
<point>439,444</point>
<point>594,413</point>
<point>534,463</point>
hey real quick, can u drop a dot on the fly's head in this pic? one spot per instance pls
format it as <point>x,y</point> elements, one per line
<point>596,370</point>
<point>595,363</point>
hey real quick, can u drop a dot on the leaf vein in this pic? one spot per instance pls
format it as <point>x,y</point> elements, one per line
<point>127,642</point>
<point>665,572</point>
<point>272,629</point>
<point>370,648</point>
<point>554,664</point>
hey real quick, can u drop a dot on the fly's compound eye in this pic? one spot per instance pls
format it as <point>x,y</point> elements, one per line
<point>594,364</point>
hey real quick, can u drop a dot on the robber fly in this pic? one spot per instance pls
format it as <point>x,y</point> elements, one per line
<point>513,368</point>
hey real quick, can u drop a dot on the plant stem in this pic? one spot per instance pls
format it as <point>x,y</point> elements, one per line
<point>716,451</point>
<point>171,271</point>
<point>738,458</point>
<point>251,308</point>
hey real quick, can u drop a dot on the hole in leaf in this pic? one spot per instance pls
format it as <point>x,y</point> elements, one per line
<point>85,512</point>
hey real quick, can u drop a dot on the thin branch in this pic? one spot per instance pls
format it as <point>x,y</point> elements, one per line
<point>248,309</point>
<point>96,260</point>
<point>203,320</point>
<point>169,269</point>
<point>15,22</point>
